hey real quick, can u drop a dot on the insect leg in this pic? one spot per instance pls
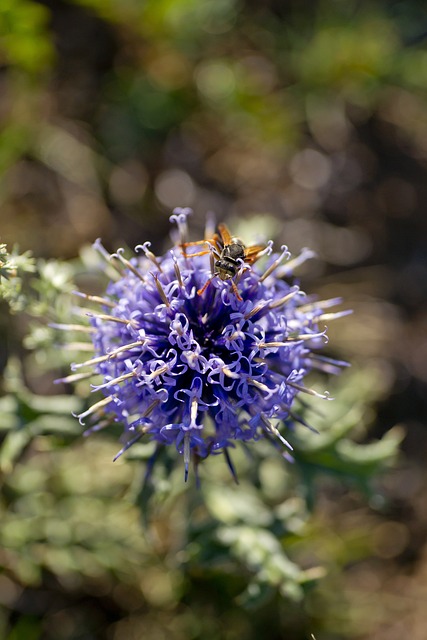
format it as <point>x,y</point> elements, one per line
<point>212,241</point>
<point>205,286</point>
<point>236,291</point>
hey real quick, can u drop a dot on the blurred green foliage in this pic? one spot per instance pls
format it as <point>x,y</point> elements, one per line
<point>27,52</point>
<point>23,25</point>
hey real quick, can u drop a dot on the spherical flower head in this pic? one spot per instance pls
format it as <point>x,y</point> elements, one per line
<point>202,366</point>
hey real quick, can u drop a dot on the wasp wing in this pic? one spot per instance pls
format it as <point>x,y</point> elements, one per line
<point>224,233</point>
<point>252,253</point>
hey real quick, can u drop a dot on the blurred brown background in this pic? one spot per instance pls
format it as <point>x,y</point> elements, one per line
<point>301,121</point>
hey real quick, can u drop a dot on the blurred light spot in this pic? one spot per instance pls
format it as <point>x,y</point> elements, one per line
<point>78,483</point>
<point>347,173</point>
<point>374,329</point>
<point>405,484</point>
<point>127,597</point>
<point>411,280</point>
<point>260,74</point>
<point>86,214</point>
<point>223,164</point>
<point>273,478</point>
<point>31,480</point>
<point>390,539</point>
<point>406,111</point>
<point>418,358</point>
<point>215,80</point>
<point>135,627</point>
<point>413,67</point>
<point>14,534</point>
<point>310,169</point>
<point>57,532</point>
<point>128,182</point>
<point>175,187</point>
<point>396,197</point>
<point>337,55</point>
<point>67,155</point>
<point>256,169</point>
<point>9,591</point>
<point>299,203</point>
<point>158,587</point>
<point>65,622</point>
<point>344,246</point>
<point>219,15</point>
<point>169,70</point>
<point>401,106</point>
<point>301,233</point>
<point>254,229</point>
<point>363,578</point>
<point>328,122</point>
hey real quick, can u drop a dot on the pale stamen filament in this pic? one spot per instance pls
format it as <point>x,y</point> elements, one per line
<point>151,408</point>
<point>115,271</point>
<point>160,289</point>
<point>126,347</point>
<point>287,341</point>
<point>285,299</point>
<point>259,385</point>
<point>114,381</point>
<point>104,316</point>
<point>72,327</point>
<point>259,307</point>
<point>284,255</point>
<point>193,411</point>
<point>267,251</point>
<point>127,264</point>
<point>94,408</point>
<point>76,377</point>
<point>109,356</point>
<point>274,430</point>
<point>330,316</point>
<point>311,392</point>
<point>180,217</point>
<point>235,336</point>
<point>230,374</point>
<point>322,304</point>
<point>97,299</point>
<point>289,267</point>
<point>149,254</point>
<point>158,372</point>
<point>238,277</point>
<point>128,445</point>
<point>177,270</point>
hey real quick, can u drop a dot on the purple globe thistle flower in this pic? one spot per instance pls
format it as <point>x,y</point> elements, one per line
<point>202,371</point>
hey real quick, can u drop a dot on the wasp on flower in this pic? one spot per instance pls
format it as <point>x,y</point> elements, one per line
<point>230,256</point>
<point>202,367</point>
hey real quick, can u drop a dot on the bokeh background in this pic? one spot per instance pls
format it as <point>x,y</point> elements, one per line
<point>301,121</point>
